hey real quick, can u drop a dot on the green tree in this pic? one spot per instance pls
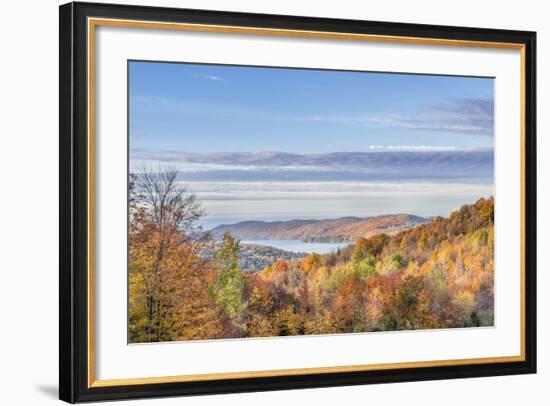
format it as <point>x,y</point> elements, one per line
<point>398,260</point>
<point>229,288</point>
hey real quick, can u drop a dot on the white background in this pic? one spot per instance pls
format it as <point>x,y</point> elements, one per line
<point>115,359</point>
<point>28,208</point>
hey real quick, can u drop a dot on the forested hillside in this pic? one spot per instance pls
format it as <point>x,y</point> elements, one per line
<point>436,275</point>
<point>334,230</point>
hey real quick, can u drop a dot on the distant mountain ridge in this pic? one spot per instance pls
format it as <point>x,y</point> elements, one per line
<point>328,230</point>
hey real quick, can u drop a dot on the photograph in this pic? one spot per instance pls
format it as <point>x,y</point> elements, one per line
<point>259,199</point>
<point>285,201</point>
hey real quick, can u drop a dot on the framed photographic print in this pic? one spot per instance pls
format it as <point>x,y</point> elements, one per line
<point>258,202</point>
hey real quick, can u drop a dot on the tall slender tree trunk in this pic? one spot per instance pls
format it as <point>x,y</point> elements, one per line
<point>150,304</point>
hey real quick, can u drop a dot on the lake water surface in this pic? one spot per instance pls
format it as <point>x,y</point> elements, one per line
<point>300,246</point>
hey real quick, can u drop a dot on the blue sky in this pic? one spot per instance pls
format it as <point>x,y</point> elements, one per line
<point>229,128</point>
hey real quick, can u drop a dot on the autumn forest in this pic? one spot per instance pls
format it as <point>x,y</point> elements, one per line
<point>438,274</point>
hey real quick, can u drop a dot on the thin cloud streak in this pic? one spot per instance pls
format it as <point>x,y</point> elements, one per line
<point>209,77</point>
<point>457,115</point>
<point>331,190</point>
<point>273,165</point>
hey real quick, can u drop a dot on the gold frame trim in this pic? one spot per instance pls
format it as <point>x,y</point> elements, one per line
<point>94,22</point>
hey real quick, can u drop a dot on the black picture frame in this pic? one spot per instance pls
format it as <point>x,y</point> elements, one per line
<point>73,255</point>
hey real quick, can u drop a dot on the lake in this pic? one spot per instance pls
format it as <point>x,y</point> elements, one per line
<point>300,246</point>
